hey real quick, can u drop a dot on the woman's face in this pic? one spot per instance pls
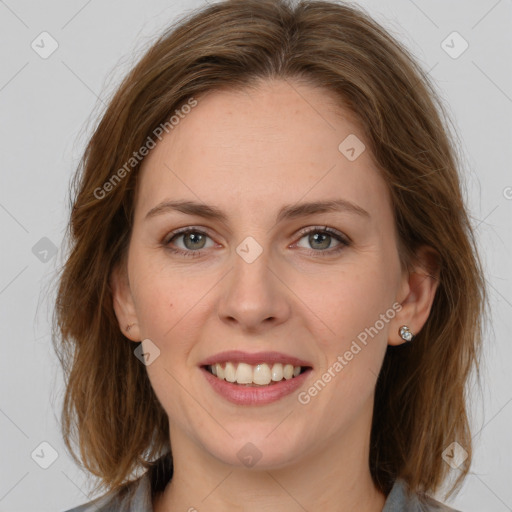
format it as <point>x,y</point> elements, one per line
<point>266,280</point>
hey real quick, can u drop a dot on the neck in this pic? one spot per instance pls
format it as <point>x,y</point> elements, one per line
<point>335,477</point>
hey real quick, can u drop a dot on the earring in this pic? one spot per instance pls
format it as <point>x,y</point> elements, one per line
<point>128,327</point>
<point>405,333</point>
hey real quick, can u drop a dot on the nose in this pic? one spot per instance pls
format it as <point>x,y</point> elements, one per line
<point>253,295</point>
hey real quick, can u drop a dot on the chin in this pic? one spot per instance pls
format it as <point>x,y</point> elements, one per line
<point>256,449</point>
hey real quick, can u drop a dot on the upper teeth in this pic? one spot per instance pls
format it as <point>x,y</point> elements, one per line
<point>262,374</point>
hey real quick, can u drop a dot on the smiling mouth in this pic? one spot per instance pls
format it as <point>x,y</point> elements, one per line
<point>258,375</point>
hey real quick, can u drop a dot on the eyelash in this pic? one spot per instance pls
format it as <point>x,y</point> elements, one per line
<point>344,241</point>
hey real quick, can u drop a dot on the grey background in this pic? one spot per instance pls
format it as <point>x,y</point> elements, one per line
<point>48,107</point>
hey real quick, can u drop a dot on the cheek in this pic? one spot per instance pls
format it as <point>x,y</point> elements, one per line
<point>156,304</point>
<point>355,343</point>
<point>159,295</point>
<point>163,294</point>
<point>354,300</point>
<point>165,300</point>
<point>171,308</point>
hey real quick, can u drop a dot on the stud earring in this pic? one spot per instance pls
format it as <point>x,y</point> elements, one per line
<point>405,333</point>
<point>128,327</point>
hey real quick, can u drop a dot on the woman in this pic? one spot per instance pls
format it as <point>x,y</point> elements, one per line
<point>273,298</point>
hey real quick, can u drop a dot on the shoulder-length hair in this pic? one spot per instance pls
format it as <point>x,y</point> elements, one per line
<point>110,410</point>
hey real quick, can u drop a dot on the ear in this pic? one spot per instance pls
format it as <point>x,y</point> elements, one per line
<point>417,292</point>
<point>123,303</point>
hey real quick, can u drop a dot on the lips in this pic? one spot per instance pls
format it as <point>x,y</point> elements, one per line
<point>244,378</point>
<point>238,356</point>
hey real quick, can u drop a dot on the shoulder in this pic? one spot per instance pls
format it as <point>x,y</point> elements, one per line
<point>134,497</point>
<point>400,499</point>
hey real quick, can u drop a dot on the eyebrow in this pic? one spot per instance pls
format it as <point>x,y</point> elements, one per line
<point>291,211</point>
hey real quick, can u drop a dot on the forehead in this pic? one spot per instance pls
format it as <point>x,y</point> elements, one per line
<point>251,148</point>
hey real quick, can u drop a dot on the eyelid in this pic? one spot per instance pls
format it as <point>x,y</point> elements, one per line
<point>343,239</point>
<point>187,229</point>
<point>327,229</point>
<point>301,232</point>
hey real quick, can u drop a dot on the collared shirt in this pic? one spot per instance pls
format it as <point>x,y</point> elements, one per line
<point>138,497</point>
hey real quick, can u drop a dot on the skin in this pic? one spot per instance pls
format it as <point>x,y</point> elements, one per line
<point>249,153</point>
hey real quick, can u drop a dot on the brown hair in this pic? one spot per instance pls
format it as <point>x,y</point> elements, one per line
<point>110,409</point>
